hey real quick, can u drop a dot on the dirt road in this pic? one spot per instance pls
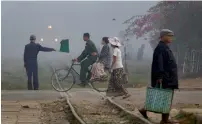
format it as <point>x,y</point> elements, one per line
<point>12,101</point>
<point>137,96</point>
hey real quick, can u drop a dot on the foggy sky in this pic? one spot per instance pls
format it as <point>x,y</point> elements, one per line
<point>69,20</point>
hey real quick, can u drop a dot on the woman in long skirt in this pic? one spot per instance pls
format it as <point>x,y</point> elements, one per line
<point>115,87</point>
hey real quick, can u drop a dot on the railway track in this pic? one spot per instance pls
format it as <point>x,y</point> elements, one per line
<point>108,108</point>
<point>111,110</point>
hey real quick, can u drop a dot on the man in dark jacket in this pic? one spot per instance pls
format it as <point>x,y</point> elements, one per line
<point>87,58</point>
<point>164,68</point>
<point>30,61</point>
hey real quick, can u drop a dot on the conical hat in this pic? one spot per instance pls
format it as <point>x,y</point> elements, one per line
<point>115,41</point>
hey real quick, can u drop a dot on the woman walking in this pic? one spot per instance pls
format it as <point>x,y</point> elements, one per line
<point>115,87</point>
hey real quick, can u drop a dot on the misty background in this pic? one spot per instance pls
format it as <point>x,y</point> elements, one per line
<point>69,20</point>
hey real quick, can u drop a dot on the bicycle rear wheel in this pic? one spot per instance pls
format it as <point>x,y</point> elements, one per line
<point>62,80</point>
<point>99,85</point>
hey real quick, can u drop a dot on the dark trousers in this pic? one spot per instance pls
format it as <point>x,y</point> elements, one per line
<point>32,73</point>
<point>84,70</point>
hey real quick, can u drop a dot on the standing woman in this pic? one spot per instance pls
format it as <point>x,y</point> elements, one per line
<point>105,56</point>
<point>115,87</point>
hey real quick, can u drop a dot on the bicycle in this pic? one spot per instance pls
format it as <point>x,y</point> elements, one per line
<point>70,79</point>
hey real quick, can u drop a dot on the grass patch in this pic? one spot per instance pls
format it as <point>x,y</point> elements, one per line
<point>139,74</point>
<point>14,76</point>
<point>185,118</point>
<point>18,81</point>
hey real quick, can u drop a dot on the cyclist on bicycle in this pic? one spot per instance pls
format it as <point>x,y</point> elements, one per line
<point>87,58</point>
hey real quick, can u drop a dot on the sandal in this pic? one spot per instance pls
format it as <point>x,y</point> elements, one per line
<point>126,96</point>
<point>143,113</point>
<point>114,94</point>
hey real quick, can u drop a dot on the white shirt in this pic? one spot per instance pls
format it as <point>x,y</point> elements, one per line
<point>118,63</point>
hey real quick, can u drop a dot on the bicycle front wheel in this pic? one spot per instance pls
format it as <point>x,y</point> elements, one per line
<point>62,80</point>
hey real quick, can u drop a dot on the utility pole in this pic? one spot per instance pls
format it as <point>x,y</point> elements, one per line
<point>125,56</point>
<point>125,40</point>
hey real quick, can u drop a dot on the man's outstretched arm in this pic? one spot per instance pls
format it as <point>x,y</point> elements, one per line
<point>45,49</point>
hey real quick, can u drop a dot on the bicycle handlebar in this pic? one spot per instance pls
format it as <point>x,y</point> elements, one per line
<point>73,62</point>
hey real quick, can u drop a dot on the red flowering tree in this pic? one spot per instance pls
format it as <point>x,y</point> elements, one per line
<point>182,17</point>
<point>148,25</point>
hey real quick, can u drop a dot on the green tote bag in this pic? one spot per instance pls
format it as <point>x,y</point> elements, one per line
<point>158,100</point>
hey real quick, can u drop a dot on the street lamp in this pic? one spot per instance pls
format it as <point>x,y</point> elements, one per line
<point>41,40</point>
<point>49,27</point>
<point>56,39</point>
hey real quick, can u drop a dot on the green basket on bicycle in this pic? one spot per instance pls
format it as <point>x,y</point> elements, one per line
<point>158,100</point>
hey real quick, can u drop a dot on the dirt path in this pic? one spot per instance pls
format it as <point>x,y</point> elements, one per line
<point>54,112</point>
<point>182,99</point>
<point>86,101</point>
<point>191,83</point>
<point>33,112</point>
<point>19,112</point>
<point>94,110</point>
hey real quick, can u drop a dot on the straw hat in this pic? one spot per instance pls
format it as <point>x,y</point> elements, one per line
<point>115,41</point>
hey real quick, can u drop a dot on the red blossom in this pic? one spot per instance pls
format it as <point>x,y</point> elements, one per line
<point>144,24</point>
